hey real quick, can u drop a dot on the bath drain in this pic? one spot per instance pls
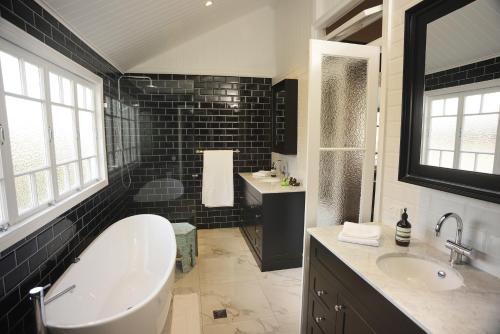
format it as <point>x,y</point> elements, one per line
<point>219,314</point>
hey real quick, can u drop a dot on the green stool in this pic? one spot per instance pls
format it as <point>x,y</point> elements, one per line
<point>185,235</point>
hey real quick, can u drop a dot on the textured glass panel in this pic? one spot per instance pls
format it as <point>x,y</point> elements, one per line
<point>11,73</point>
<point>442,133</point>
<point>485,163</point>
<point>43,186</point>
<point>343,102</point>
<point>24,193</point>
<point>467,161</point>
<point>73,175</point>
<point>89,99</point>
<point>27,134</point>
<point>33,88</point>
<point>80,96</point>
<point>94,170</point>
<point>447,159</point>
<point>472,104</point>
<point>451,106</point>
<point>437,107</point>
<point>62,179</point>
<point>64,134</point>
<point>67,91</point>
<point>55,89</point>
<point>118,158</point>
<point>491,102</point>
<point>433,158</point>
<point>126,135</point>
<point>340,175</point>
<point>87,134</point>
<point>479,133</point>
<point>86,171</point>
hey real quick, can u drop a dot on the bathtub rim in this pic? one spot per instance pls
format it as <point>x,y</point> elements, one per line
<point>149,298</point>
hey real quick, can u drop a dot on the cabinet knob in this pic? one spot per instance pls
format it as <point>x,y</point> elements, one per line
<point>258,216</point>
<point>319,319</point>
<point>339,308</point>
<point>320,293</point>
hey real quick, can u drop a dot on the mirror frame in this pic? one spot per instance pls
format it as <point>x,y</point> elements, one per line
<point>471,184</point>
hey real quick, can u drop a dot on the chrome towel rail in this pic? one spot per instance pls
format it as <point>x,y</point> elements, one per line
<point>201,151</point>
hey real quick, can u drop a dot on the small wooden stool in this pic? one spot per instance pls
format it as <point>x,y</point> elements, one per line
<point>185,236</point>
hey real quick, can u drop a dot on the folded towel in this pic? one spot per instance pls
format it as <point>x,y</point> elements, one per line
<point>368,242</point>
<point>364,234</point>
<point>217,187</point>
<point>361,231</point>
<point>262,173</point>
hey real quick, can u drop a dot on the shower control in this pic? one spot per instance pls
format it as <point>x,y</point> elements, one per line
<point>195,176</point>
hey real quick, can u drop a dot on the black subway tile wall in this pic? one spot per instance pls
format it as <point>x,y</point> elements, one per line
<point>44,255</point>
<point>187,113</point>
<point>476,72</point>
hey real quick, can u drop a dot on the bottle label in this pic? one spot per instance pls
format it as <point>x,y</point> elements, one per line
<point>403,234</point>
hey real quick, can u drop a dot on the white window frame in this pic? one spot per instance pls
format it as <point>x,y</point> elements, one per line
<point>460,92</point>
<point>25,46</point>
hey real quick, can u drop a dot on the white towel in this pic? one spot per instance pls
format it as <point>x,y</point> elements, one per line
<point>364,234</point>
<point>218,187</point>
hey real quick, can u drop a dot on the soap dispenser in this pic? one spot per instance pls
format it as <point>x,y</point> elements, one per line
<point>403,231</point>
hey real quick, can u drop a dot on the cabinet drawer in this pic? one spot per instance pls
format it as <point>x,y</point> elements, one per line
<point>324,286</point>
<point>320,316</point>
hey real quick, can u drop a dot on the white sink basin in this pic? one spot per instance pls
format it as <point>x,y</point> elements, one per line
<point>269,179</point>
<point>420,272</point>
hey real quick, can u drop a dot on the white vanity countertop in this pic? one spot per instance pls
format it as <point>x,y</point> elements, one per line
<point>473,308</point>
<point>269,187</point>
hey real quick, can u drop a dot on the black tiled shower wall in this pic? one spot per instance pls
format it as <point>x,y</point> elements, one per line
<point>476,72</point>
<point>44,255</point>
<point>190,112</point>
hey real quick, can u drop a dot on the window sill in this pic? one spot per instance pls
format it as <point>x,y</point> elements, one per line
<point>31,224</point>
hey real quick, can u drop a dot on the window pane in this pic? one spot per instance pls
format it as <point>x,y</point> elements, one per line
<point>64,134</point>
<point>33,87</point>
<point>43,186</point>
<point>94,170</point>
<point>89,169</point>
<point>442,133</point>
<point>491,102</point>
<point>447,159</point>
<point>80,95</point>
<point>67,91</point>
<point>479,133</point>
<point>24,193</point>
<point>467,161</point>
<point>11,73</point>
<point>27,134</point>
<point>433,158</point>
<point>89,99</point>
<point>472,104</point>
<point>87,134</point>
<point>451,106</point>
<point>67,177</point>
<point>55,89</point>
<point>437,107</point>
<point>485,163</point>
<point>3,214</point>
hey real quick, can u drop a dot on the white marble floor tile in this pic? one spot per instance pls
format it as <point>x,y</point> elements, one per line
<point>219,233</point>
<point>242,301</point>
<point>187,282</point>
<point>253,326</point>
<point>228,269</point>
<point>215,247</point>
<point>288,325</point>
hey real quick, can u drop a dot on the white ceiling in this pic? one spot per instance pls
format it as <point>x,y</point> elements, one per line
<point>467,35</point>
<point>129,32</point>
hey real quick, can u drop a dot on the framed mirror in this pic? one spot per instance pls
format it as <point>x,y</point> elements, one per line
<point>450,135</point>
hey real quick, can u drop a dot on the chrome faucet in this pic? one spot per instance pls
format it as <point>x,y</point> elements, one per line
<point>458,251</point>
<point>37,296</point>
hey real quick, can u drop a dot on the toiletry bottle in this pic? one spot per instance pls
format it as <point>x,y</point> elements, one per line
<point>403,231</point>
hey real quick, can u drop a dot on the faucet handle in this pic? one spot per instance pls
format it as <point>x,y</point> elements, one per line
<point>459,250</point>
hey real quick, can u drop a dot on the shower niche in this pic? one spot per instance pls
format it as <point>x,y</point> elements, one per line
<point>284,117</point>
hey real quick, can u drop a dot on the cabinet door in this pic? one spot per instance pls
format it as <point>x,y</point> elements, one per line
<point>350,320</point>
<point>320,316</point>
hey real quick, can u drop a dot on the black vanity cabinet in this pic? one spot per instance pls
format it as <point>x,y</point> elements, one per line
<point>284,120</point>
<point>341,302</point>
<point>273,227</point>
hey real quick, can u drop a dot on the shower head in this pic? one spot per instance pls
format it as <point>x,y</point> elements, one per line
<point>136,77</point>
<point>151,86</point>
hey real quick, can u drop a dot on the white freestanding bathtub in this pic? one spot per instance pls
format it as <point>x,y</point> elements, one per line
<point>124,281</point>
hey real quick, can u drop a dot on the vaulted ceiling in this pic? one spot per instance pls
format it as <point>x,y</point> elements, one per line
<point>129,32</point>
<point>465,36</point>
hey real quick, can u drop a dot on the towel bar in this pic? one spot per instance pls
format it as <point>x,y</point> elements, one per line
<point>201,151</point>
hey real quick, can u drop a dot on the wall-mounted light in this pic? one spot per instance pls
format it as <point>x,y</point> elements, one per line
<point>208,3</point>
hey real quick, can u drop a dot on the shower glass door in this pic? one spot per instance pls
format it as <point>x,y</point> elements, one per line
<point>343,88</point>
